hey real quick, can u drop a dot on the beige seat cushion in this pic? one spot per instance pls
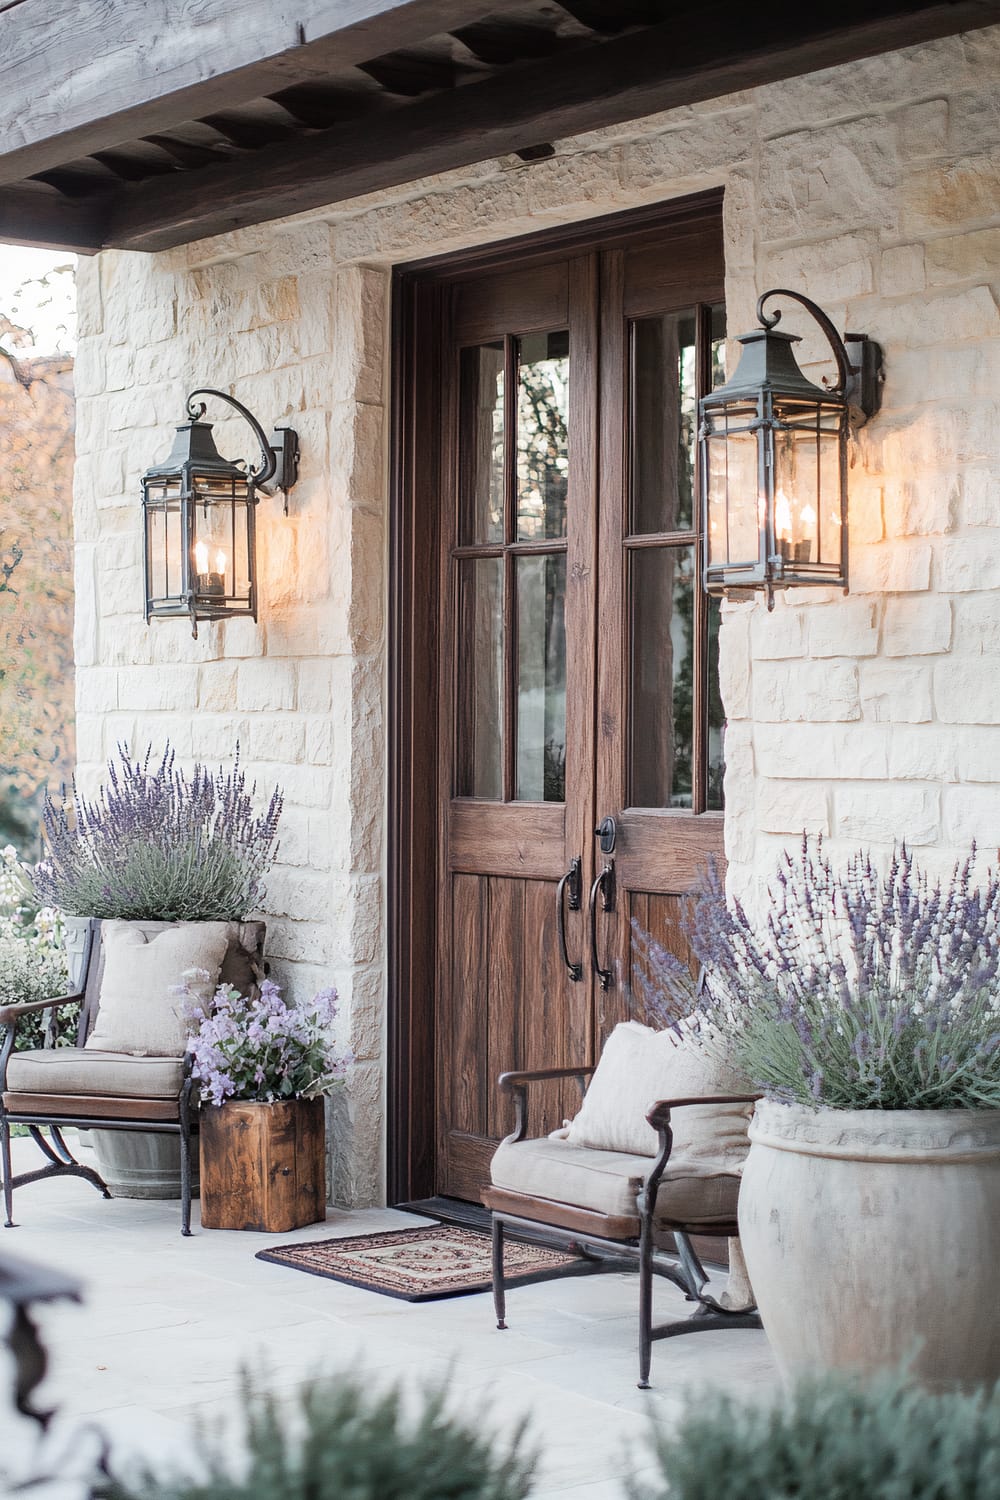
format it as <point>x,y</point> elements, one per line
<point>609,1181</point>
<point>83,1070</point>
<point>137,1012</point>
<point>639,1066</point>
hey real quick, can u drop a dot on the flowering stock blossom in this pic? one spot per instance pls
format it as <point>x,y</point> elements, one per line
<point>261,1047</point>
<point>853,989</point>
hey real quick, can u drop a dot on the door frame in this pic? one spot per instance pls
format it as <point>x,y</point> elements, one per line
<point>413,652</point>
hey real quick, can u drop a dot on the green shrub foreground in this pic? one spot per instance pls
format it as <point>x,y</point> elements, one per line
<point>832,1440</point>
<point>338,1441</point>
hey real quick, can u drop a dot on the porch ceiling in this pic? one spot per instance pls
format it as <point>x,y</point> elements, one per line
<point>150,123</point>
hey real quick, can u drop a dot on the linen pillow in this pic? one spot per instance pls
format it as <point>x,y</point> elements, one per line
<point>639,1066</point>
<point>137,1013</point>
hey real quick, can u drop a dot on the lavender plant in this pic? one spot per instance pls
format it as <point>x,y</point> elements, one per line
<point>261,1047</point>
<point>855,990</point>
<point>159,845</point>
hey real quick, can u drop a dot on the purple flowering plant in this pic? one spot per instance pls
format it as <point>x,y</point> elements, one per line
<point>853,989</point>
<point>260,1046</point>
<point>158,844</point>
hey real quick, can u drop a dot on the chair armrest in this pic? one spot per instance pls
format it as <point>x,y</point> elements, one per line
<point>516,1084</point>
<point>510,1081</point>
<point>11,1014</point>
<point>658,1114</point>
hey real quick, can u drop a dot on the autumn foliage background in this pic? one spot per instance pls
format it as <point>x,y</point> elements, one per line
<point>37,745</point>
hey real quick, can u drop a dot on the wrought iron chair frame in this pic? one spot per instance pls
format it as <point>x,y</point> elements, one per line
<point>564,1226</point>
<point>74,1110</point>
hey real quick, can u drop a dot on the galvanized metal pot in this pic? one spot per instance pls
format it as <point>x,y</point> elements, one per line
<point>870,1238</point>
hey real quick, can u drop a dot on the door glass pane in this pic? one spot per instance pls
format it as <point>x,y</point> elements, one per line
<point>480,487</point>
<point>717,334</point>
<point>664,423</point>
<point>716,718</point>
<point>479,715</point>
<point>542,435</point>
<point>662,676</point>
<point>541,679</point>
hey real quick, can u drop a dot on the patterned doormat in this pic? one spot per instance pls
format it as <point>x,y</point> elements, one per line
<point>420,1265</point>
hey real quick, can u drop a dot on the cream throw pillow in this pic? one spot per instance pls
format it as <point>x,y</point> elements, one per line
<point>639,1066</point>
<point>137,1012</point>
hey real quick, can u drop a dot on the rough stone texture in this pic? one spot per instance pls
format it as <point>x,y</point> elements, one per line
<point>871,187</point>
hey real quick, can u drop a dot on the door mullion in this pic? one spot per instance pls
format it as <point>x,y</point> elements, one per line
<point>509,599</point>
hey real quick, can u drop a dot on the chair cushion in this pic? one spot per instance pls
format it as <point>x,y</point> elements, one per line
<point>638,1066</point>
<point>84,1070</point>
<point>609,1182</point>
<point>137,1013</point>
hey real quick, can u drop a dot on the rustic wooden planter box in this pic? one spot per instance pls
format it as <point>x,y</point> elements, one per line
<point>263,1166</point>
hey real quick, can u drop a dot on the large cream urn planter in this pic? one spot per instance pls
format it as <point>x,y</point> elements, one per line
<point>871,1239</point>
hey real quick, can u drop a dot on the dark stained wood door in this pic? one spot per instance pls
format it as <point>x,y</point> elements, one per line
<point>576,668</point>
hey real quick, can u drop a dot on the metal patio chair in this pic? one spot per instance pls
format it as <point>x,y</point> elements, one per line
<point>615,1207</point>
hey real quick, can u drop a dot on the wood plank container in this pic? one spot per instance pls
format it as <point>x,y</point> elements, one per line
<point>263,1166</point>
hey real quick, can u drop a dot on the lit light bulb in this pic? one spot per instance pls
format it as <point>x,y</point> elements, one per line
<point>201,557</point>
<point>220,562</point>
<point>807,515</point>
<point>782,516</point>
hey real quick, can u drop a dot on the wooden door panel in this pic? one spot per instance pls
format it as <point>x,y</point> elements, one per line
<point>495,838</point>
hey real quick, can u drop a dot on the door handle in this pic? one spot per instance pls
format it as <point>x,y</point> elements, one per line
<point>570,882</point>
<point>604,885</point>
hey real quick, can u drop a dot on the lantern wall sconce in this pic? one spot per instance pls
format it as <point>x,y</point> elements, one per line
<point>199,519</point>
<point>773,459</point>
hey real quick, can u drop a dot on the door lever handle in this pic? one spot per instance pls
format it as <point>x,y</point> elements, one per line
<point>571,884</point>
<point>605,886</point>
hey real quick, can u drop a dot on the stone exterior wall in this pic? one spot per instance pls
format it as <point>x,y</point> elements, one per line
<point>872,187</point>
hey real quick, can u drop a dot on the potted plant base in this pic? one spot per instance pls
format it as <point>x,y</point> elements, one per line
<point>263,1166</point>
<point>870,1239</point>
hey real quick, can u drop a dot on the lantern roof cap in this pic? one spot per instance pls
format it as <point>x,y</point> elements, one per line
<point>194,449</point>
<point>767,363</point>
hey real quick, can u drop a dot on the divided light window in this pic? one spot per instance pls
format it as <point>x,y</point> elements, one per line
<point>511,568</point>
<point>675,755</point>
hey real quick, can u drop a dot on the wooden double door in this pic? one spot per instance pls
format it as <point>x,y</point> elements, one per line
<point>576,656</point>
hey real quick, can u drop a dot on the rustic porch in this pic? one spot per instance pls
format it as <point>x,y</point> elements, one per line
<point>167,1323</point>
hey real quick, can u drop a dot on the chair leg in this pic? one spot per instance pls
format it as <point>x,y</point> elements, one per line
<point>499,1297</point>
<point>645,1302</point>
<point>185,1121</point>
<point>8,1177</point>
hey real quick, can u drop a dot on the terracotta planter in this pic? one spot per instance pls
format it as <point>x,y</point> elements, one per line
<point>263,1166</point>
<point>870,1238</point>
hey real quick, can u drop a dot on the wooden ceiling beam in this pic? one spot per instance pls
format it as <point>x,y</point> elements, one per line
<point>49,221</point>
<point>81,76</point>
<point>719,48</point>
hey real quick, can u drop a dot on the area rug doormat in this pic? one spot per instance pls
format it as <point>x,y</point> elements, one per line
<point>420,1265</point>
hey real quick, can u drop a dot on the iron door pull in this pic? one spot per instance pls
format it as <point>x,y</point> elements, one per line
<point>570,882</point>
<point>605,885</point>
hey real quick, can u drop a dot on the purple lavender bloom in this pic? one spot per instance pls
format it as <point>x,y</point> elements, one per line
<point>849,988</point>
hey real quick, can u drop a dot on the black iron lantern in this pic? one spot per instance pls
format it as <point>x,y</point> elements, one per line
<point>773,460</point>
<point>199,519</point>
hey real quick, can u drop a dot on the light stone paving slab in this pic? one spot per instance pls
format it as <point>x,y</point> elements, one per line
<point>167,1323</point>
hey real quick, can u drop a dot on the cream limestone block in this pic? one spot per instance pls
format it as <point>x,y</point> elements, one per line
<point>885,814</point>
<point>787,692</point>
<point>792,806</point>
<point>917,627</point>
<point>972,815</point>
<point>896,693</point>
<point>845,627</point>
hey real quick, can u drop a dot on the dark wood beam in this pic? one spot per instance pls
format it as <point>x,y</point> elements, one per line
<point>79,76</point>
<point>719,48</point>
<point>49,221</point>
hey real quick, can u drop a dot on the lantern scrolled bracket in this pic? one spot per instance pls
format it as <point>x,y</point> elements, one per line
<point>858,358</point>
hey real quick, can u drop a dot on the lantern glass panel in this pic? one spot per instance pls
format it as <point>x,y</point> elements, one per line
<point>807,509</point>
<point>165,540</point>
<point>733,488</point>
<point>220,566</point>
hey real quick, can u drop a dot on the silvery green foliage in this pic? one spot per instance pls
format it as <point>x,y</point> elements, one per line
<point>832,1439</point>
<point>159,845</point>
<point>855,990</point>
<point>262,1047</point>
<point>32,961</point>
<point>341,1441</point>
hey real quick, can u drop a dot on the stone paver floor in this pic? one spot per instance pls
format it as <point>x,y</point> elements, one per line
<point>167,1323</point>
